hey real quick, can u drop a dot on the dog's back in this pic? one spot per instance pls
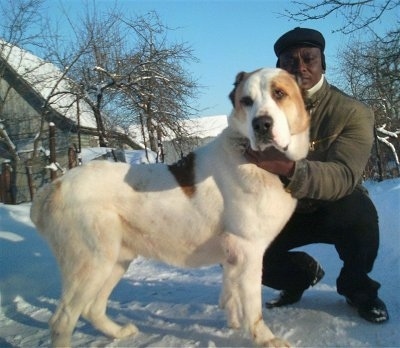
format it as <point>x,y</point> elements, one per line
<point>135,206</point>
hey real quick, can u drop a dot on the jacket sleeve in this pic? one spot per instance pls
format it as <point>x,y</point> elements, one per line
<point>345,159</point>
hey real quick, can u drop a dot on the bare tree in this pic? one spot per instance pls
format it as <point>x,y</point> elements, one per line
<point>21,22</point>
<point>126,69</point>
<point>358,14</point>
<point>163,89</point>
<point>60,87</point>
<point>371,73</point>
<point>131,74</point>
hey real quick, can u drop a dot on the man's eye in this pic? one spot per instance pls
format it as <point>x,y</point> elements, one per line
<point>288,62</point>
<point>308,60</point>
<point>246,101</point>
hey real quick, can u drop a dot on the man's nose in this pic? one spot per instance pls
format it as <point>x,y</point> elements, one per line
<point>299,65</point>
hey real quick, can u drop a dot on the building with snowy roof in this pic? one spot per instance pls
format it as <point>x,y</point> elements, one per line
<point>33,94</point>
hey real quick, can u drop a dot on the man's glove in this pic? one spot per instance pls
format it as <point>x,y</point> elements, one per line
<point>271,160</point>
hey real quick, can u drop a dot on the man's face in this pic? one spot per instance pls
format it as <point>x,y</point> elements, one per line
<point>303,62</point>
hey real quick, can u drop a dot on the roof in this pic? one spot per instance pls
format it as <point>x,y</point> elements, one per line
<point>210,126</point>
<point>200,127</point>
<point>46,79</point>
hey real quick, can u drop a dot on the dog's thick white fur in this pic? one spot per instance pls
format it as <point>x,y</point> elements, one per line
<point>211,207</point>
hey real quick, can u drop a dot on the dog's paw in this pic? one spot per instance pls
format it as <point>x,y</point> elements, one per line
<point>232,314</point>
<point>233,323</point>
<point>127,331</point>
<point>277,342</point>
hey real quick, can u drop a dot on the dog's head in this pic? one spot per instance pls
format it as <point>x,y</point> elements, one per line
<point>269,110</point>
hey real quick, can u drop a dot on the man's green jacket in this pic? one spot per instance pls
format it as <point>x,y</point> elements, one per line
<point>341,138</point>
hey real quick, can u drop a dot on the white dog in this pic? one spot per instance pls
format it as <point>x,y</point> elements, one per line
<point>211,207</point>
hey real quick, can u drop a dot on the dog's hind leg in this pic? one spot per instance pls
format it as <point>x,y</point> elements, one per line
<point>95,312</point>
<point>80,287</point>
<point>88,279</point>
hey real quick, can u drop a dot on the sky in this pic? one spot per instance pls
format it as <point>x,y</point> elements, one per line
<point>227,36</point>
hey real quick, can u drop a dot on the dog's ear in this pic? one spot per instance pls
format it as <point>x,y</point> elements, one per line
<point>239,78</point>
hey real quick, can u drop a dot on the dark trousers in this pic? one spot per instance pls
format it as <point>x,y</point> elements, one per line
<point>350,224</point>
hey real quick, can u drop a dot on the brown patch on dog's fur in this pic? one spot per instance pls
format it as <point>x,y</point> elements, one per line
<point>183,172</point>
<point>298,121</point>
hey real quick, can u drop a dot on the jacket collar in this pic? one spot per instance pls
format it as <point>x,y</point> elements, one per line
<point>310,92</point>
<point>312,101</point>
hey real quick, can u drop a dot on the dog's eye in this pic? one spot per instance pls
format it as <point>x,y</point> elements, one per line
<point>246,101</point>
<point>279,94</point>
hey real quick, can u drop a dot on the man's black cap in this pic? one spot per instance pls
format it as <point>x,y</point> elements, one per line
<point>297,37</point>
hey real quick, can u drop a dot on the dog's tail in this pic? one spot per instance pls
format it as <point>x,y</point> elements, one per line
<point>42,203</point>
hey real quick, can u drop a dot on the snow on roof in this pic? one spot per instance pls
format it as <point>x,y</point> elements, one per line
<point>210,126</point>
<point>131,156</point>
<point>201,127</point>
<point>43,77</point>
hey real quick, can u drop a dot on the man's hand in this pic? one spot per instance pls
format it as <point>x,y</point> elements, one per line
<point>271,160</point>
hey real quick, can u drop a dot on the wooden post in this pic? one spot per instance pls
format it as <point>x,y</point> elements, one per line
<point>28,168</point>
<point>6,176</point>
<point>52,145</point>
<point>78,117</point>
<point>72,160</point>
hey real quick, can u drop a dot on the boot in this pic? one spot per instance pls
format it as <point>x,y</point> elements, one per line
<point>372,310</point>
<point>287,297</point>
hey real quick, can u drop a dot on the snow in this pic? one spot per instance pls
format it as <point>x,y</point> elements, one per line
<point>201,127</point>
<point>179,307</point>
<point>209,126</point>
<point>131,156</point>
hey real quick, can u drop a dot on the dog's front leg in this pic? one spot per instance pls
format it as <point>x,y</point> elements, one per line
<point>242,289</point>
<point>229,298</point>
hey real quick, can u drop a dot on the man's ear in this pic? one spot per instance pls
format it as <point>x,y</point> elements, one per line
<point>239,78</point>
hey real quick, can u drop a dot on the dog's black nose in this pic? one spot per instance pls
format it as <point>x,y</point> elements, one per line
<point>262,124</point>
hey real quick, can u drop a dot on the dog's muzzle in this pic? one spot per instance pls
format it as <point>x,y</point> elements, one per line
<point>263,133</point>
<point>262,128</point>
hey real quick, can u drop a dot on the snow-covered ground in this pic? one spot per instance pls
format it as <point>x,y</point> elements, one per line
<point>179,308</point>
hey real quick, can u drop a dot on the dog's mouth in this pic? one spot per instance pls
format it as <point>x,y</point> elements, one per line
<point>261,143</point>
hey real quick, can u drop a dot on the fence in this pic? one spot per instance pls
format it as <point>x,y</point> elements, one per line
<point>20,180</point>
